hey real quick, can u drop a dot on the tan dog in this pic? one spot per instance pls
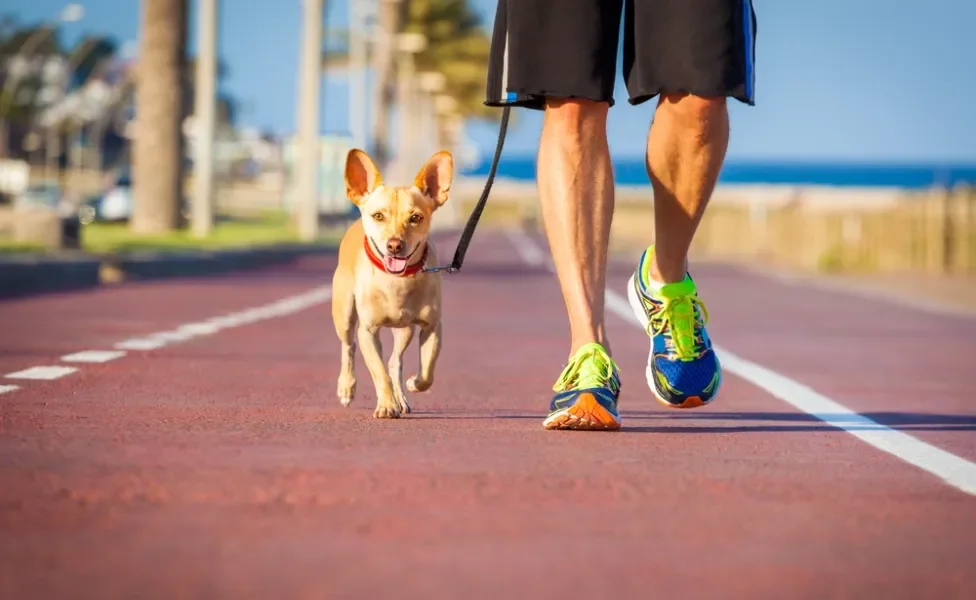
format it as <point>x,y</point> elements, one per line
<point>379,281</point>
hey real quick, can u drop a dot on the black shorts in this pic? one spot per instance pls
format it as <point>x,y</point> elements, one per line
<point>568,49</point>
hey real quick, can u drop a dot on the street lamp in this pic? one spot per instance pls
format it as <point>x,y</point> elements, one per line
<point>205,118</point>
<point>447,124</point>
<point>408,45</point>
<point>430,83</point>
<point>358,54</point>
<point>452,122</point>
<point>309,98</point>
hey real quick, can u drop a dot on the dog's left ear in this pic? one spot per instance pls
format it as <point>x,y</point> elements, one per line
<point>434,179</point>
<point>362,176</point>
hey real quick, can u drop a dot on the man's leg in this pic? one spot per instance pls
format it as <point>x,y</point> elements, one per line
<point>560,56</point>
<point>685,150</point>
<point>695,54</point>
<point>576,196</point>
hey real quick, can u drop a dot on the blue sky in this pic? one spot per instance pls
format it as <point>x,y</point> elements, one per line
<point>837,80</point>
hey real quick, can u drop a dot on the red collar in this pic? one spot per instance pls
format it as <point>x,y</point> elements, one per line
<point>378,262</point>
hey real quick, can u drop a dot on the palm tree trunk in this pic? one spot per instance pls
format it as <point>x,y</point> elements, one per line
<point>157,153</point>
<point>390,19</point>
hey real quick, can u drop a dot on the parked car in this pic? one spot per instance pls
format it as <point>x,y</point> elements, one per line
<point>49,195</point>
<point>115,205</point>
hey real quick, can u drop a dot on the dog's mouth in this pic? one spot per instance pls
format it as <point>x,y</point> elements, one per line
<point>395,264</point>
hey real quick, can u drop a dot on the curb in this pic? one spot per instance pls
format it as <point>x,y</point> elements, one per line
<point>24,275</point>
<point>28,275</point>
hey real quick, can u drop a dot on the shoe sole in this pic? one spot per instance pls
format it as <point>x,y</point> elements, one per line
<point>638,308</point>
<point>586,414</point>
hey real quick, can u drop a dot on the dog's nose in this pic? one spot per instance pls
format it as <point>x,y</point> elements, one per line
<point>394,246</point>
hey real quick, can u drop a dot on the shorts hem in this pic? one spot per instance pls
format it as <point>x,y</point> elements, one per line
<point>537,100</point>
<point>645,95</point>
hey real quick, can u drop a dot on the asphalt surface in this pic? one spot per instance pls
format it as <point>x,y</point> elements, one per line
<point>213,459</point>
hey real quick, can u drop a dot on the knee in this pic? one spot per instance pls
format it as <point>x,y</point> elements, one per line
<point>693,111</point>
<point>574,114</point>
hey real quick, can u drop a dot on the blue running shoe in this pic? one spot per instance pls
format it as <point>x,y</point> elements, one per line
<point>682,368</point>
<point>586,392</point>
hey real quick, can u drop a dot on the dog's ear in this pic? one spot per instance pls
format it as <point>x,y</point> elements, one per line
<point>434,179</point>
<point>362,176</point>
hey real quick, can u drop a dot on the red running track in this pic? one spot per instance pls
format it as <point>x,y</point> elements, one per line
<point>223,466</point>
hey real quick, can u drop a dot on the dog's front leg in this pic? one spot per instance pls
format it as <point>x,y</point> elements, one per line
<point>401,339</point>
<point>372,350</point>
<point>430,349</point>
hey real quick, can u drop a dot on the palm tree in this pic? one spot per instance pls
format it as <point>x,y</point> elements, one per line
<point>157,153</point>
<point>118,106</point>
<point>16,106</point>
<point>84,63</point>
<point>457,46</point>
<point>391,16</point>
<point>88,56</point>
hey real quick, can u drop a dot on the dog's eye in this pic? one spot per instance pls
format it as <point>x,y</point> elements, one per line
<point>416,218</point>
<point>377,216</point>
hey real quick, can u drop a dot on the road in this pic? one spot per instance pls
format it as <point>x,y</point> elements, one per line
<point>182,439</point>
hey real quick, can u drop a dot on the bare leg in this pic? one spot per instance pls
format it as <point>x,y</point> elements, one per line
<point>685,150</point>
<point>372,349</point>
<point>430,349</point>
<point>576,195</point>
<point>401,339</point>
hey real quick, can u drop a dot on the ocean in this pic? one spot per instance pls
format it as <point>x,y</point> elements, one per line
<point>631,172</point>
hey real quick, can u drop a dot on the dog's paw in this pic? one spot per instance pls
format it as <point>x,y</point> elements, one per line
<point>416,384</point>
<point>386,412</point>
<point>346,394</point>
<point>400,400</point>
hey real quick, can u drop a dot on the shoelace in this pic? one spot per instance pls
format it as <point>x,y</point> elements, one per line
<point>591,373</point>
<point>678,316</point>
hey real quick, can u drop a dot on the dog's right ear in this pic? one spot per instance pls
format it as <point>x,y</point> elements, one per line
<point>362,176</point>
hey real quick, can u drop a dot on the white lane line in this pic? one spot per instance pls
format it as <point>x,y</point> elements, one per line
<point>530,252</point>
<point>93,356</point>
<point>176,335</point>
<point>47,372</point>
<point>279,308</point>
<point>953,470</point>
<point>182,333</point>
<point>140,344</point>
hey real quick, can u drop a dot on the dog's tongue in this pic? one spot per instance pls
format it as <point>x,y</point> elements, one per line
<point>395,264</point>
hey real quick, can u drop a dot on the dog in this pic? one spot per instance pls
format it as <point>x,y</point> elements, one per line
<point>380,280</point>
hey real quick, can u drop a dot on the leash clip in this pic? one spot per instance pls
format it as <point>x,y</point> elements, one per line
<point>448,268</point>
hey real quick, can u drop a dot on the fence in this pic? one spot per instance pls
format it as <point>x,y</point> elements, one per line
<point>931,232</point>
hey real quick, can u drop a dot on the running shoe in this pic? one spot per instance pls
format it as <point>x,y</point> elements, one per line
<point>586,392</point>
<point>682,368</point>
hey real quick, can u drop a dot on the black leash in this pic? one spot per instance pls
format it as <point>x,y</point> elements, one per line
<point>468,232</point>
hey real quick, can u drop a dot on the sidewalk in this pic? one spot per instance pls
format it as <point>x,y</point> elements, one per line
<point>955,294</point>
